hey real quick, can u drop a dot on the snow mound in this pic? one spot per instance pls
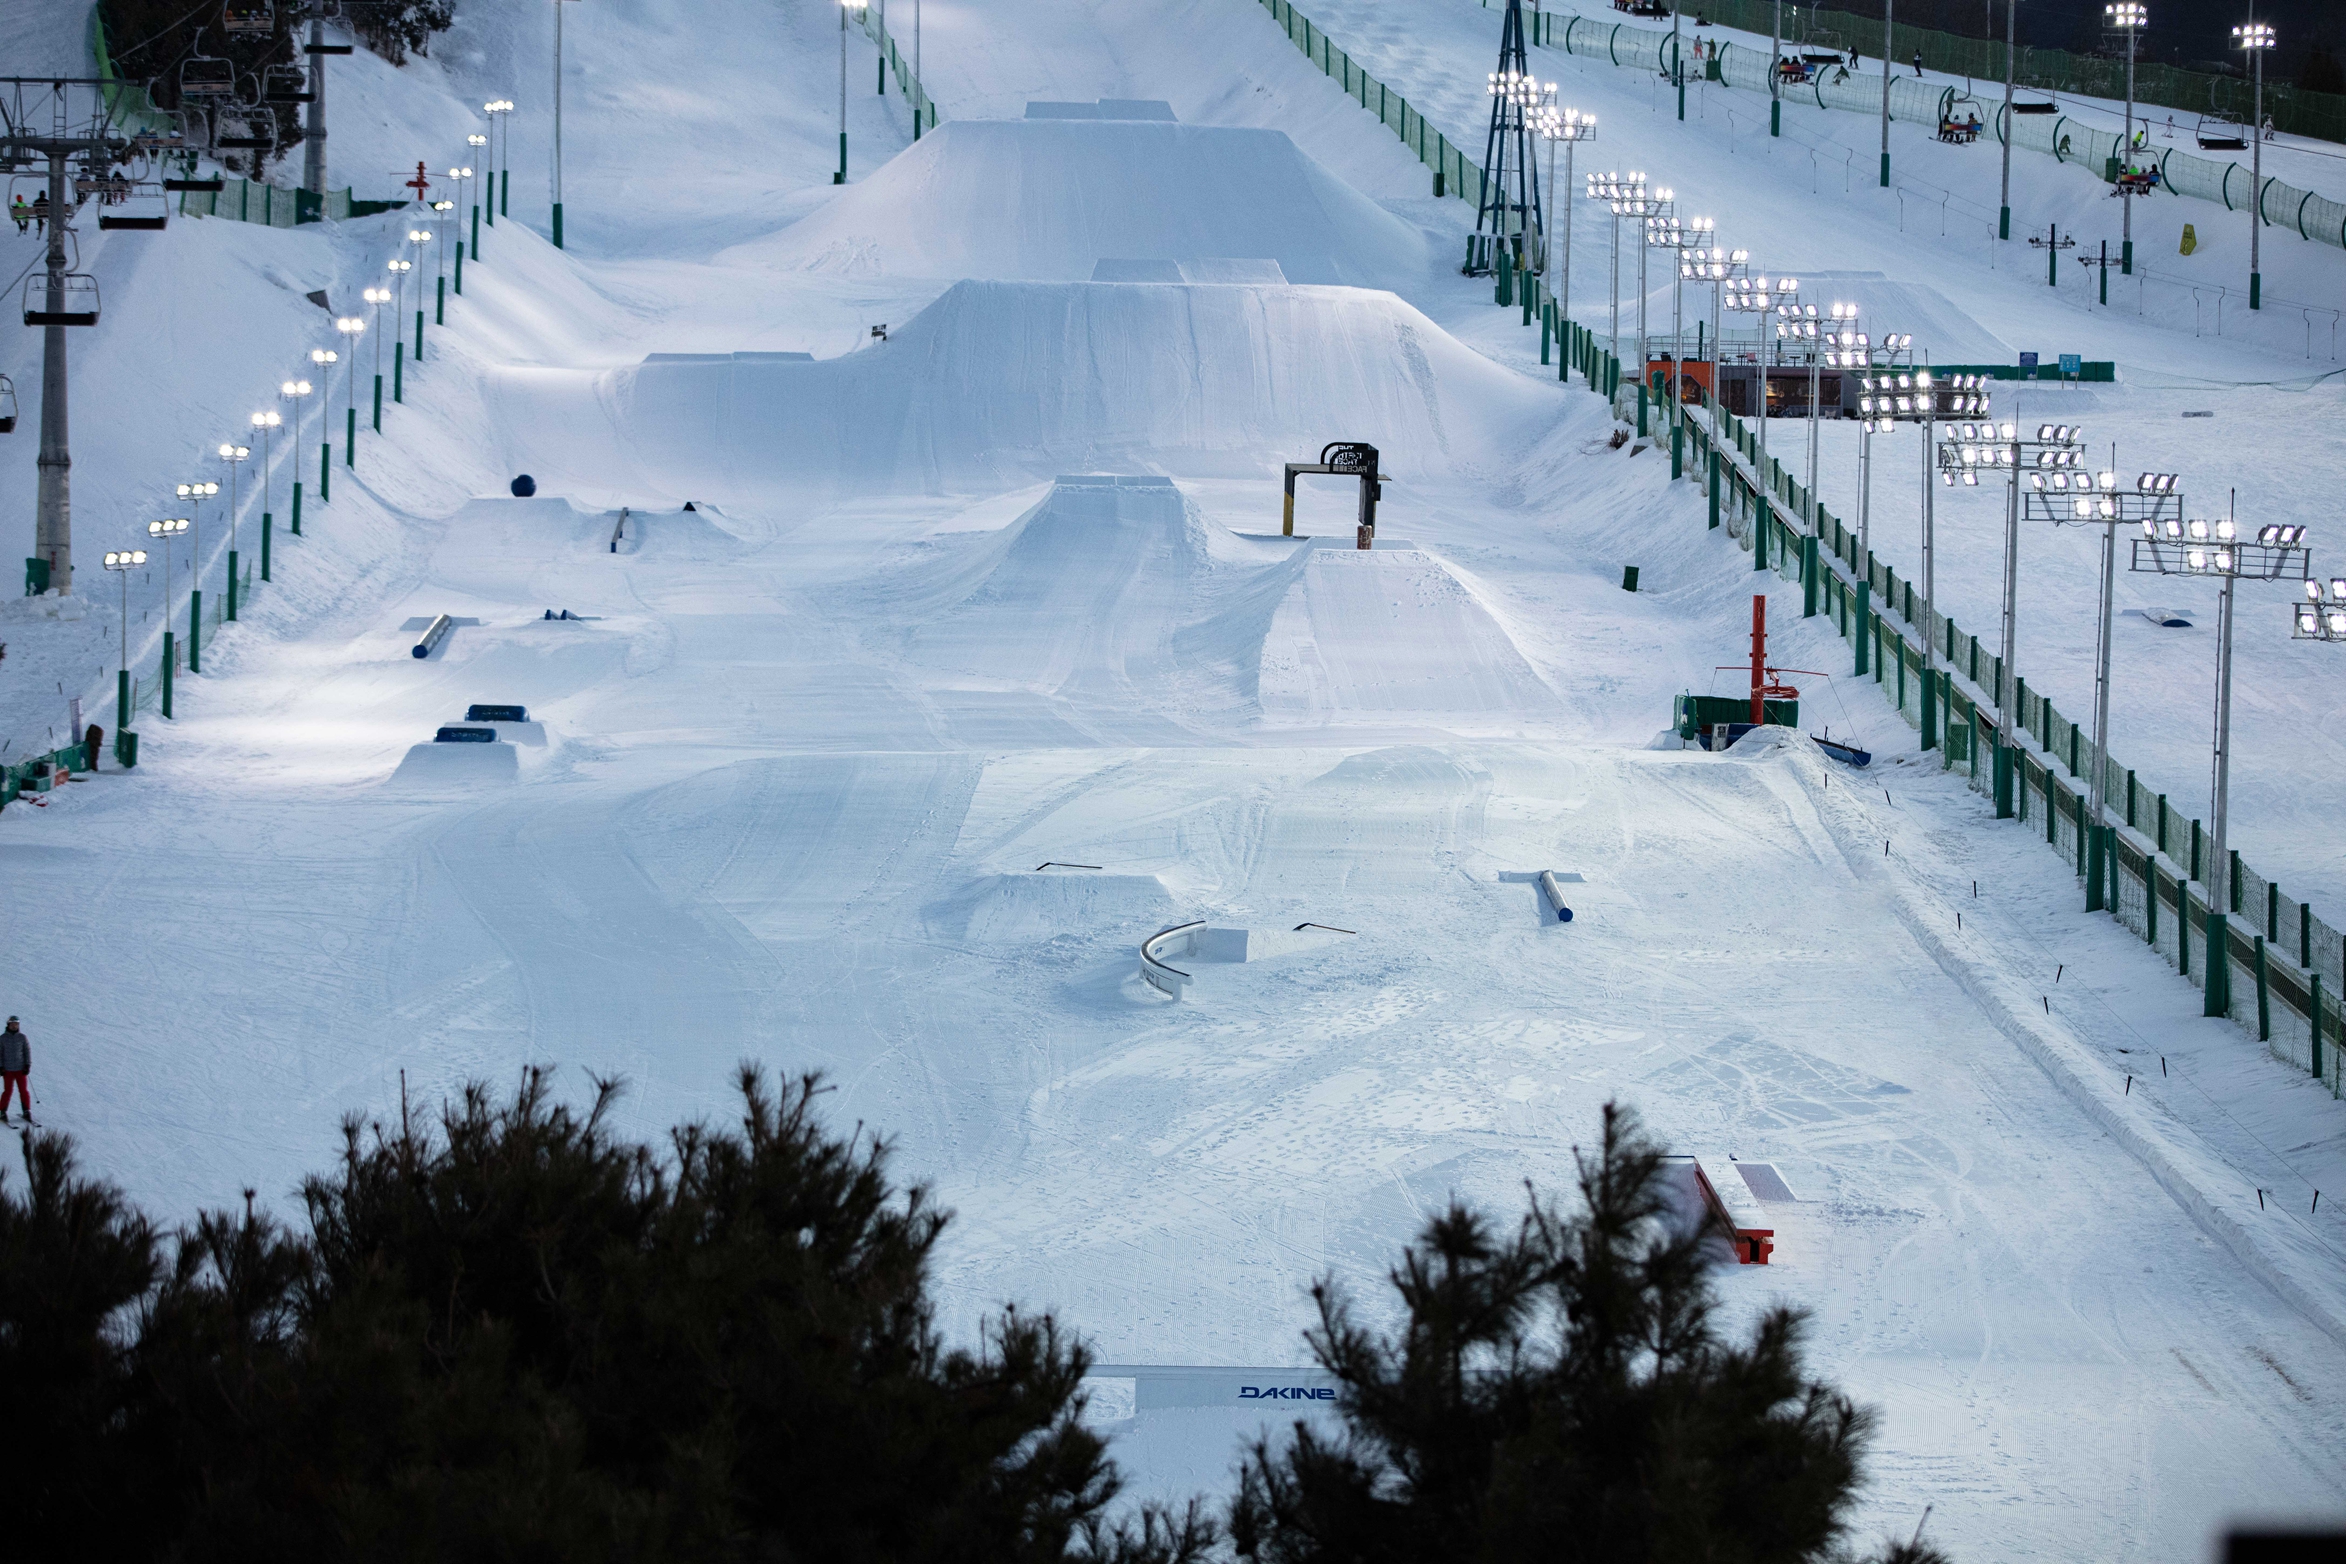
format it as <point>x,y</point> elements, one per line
<point>1391,635</point>
<point>1021,908</point>
<point>456,767</point>
<point>998,384</point>
<point>1082,593</point>
<point>1044,199</point>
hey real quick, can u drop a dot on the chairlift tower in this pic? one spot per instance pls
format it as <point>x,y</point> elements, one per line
<point>1509,204</point>
<point>60,122</point>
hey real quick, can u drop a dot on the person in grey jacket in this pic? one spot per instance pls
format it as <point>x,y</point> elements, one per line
<point>16,1063</point>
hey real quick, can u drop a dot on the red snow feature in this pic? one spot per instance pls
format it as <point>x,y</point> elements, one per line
<point>1731,1207</point>
<point>1765,686</point>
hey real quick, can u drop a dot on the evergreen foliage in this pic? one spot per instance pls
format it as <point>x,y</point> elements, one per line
<point>1564,1393</point>
<point>525,1336</point>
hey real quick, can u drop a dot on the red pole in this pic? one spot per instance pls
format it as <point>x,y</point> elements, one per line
<point>1759,657</point>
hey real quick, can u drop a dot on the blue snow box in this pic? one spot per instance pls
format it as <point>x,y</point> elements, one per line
<point>524,486</point>
<point>455,735</point>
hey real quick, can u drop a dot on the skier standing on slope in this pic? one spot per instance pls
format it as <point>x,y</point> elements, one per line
<point>16,1063</point>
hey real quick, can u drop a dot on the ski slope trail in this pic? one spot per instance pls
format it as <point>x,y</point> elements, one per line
<point>977,661</point>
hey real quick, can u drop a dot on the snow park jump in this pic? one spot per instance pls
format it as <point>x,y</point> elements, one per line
<point>840,627</point>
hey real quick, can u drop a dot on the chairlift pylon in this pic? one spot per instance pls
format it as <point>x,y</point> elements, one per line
<point>80,301</point>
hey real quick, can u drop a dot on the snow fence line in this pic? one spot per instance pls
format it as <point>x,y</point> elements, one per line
<point>2056,1051</point>
<point>1912,99</point>
<point>1454,175</point>
<point>1939,679</point>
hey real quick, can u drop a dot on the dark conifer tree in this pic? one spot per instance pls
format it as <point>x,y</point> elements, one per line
<point>1563,1393</point>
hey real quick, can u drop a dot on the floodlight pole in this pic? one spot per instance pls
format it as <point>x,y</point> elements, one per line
<point>1930,578</point>
<point>2126,192</point>
<point>1614,346</point>
<point>2218,982</point>
<point>2256,279</point>
<point>2008,718</point>
<point>2011,37</point>
<point>2098,792</point>
<point>1889,37</point>
<point>1865,486</point>
<point>1776,68</point>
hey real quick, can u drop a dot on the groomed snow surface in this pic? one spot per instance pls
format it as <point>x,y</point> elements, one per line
<point>1007,589</point>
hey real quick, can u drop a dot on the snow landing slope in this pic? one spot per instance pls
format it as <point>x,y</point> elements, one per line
<point>1001,383</point>
<point>1047,199</point>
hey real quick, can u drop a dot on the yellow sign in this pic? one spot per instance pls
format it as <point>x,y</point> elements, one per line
<point>2190,239</point>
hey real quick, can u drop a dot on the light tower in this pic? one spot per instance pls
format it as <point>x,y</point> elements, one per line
<point>1508,206</point>
<point>2130,19</point>
<point>2257,38</point>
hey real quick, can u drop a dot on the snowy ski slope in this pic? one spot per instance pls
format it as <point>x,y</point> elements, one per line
<point>1005,590</point>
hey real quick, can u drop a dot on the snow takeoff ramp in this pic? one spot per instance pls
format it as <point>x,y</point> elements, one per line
<point>1001,383</point>
<point>1046,199</point>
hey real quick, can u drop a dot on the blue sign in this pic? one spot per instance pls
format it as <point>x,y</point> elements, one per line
<point>2072,363</point>
<point>2028,361</point>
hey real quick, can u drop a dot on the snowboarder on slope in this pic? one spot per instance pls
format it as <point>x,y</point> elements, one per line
<point>16,1063</point>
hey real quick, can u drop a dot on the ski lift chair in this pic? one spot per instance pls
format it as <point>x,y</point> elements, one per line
<point>2220,132</point>
<point>1959,117</point>
<point>248,18</point>
<point>285,84</point>
<point>202,76</point>
<point>80,301</point>
<point>150,212</point>
<point>244,132</point>
<point>7,405</point>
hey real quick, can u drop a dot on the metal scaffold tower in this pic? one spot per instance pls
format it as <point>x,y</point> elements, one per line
<point>1509,211</point>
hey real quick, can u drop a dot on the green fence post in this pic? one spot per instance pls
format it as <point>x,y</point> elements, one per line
<point>1546,318</point>
<point>419,334</point>
<point>1930,709</point>
<point>230,616</point>
<point>439,303</point>
<point>350,440</point>
<point>2001,778</point>
<point>398,371</point>
<point>2197,872</point>
<point>1810,570</point>
<point>268,525</point>
<point>2264,995</point>
<point>2232,881</point>
<point>297,505</point>
<point>2151,901</point>
<point>1641,423</point>
<point>460,268</point>
<point>195,631</point>
<point>378,404</point>
<point>2316,1008</point>
<point>1759,532</point>
<point>326,472</point>
<point>170,656</point>
<point>1714,488</point>
<point>1863,623</point>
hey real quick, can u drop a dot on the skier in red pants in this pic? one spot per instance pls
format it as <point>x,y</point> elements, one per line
<point>16,1063</point>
